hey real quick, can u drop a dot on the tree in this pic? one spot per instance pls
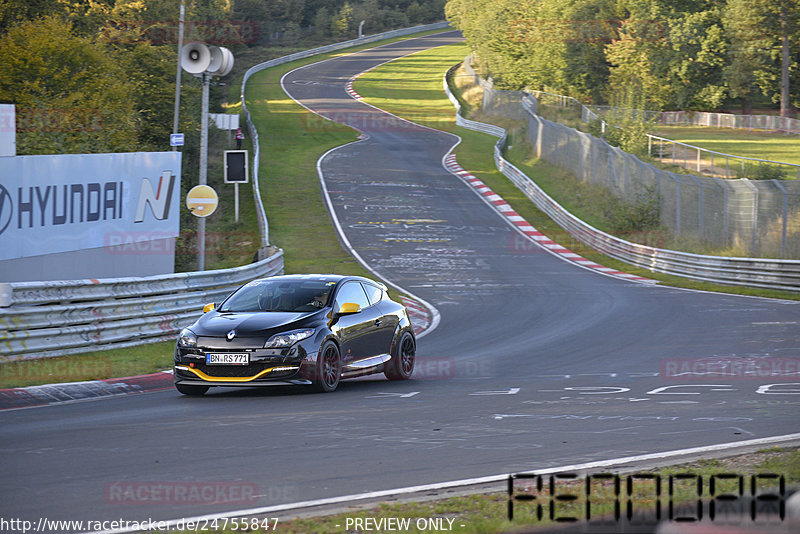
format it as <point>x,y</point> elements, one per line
<point>674,52</point>
<point>545,44</point>
<point>71,93</point>
<point>762,33</point>
<point>342,23</point>
<point>151,76</point>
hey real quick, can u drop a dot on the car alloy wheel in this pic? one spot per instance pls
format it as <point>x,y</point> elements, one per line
<point>401,366</point>
<point>329,368</point>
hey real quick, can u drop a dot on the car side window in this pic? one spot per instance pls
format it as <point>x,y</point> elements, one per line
<point>351,292</point>
<point>374,293</point>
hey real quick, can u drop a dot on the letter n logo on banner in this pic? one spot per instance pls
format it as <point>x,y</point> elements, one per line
<point>158,200</point>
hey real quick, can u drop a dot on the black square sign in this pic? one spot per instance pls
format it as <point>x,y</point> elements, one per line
<point>236,170</point>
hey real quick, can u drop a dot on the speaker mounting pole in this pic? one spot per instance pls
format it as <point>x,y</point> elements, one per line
<point>203,175</point>
<point>205,61</point>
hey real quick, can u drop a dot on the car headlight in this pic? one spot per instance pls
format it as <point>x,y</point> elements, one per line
<point>287,339</point>
<point>187,339</point>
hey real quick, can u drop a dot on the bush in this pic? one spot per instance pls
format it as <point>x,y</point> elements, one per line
<point>641,215</point>
<point>765,171</point>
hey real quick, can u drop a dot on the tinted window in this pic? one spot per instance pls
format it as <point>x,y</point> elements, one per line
<point>374,293</point>
<point>351,292</point>
<point>279,296</point>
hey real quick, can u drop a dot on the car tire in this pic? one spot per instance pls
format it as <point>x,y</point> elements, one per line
<point>187,389</point>
<point>401,366</point>
<point>329,368</point>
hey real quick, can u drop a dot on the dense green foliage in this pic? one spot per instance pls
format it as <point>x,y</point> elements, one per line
<point>672,54</point>
<point>99,75</point>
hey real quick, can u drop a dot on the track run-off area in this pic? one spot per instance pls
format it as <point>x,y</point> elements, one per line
<point>534,362</point>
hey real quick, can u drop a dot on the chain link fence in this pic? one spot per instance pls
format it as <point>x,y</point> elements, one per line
<point>708,119</point>
<point>757,218</point>
<point>710,163</point>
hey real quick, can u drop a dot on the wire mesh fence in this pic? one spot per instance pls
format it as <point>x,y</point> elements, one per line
<point>757,218</point>
<point>710,163</point>
<point>707,119</point>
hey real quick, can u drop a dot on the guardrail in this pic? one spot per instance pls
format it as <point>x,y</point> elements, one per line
<point>754,272</point>
<point>46,319</point>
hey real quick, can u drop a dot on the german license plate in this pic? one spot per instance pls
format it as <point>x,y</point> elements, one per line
<point>227,359</point>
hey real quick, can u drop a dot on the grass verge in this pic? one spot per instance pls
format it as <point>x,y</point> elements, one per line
<point>292,139</point>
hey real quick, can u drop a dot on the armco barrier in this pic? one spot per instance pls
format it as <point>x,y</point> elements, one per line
<point>45,319</point>
<point>754,272</point>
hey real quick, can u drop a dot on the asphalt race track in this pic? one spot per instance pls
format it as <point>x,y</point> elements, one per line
<point>535,362</point>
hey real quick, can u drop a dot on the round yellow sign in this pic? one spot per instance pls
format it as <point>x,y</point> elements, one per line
<point>202,200</point>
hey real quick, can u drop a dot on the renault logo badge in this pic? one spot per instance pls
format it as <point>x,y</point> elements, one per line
<point>230,335</point>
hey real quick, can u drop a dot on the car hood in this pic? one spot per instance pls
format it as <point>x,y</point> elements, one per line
<point>217,324</point>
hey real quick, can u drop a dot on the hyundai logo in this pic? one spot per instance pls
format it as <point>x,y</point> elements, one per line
<point>230,335</point>
<point>6,209</point>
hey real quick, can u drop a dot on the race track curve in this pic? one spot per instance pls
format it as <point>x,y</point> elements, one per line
<point>535,362</point>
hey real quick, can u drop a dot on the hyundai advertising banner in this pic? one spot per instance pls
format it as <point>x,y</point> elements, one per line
<point>70,202</point>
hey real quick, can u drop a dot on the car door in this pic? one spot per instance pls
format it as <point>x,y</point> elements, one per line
<point>357,332</point>
<point>386,321</point>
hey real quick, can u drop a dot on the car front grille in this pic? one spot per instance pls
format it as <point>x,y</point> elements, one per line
<point>237,343</point>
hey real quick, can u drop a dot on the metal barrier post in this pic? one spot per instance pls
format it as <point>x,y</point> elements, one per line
<point>785,216</point>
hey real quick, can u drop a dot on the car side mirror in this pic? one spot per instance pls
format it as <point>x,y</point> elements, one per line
<point>349,308</point>
<point>208,307</point>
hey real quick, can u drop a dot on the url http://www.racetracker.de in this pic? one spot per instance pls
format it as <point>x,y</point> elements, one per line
<point>43,524</point>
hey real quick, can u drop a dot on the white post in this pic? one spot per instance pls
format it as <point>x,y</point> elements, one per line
<point>176,113</point>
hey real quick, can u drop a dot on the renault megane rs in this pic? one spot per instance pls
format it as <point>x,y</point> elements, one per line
<point>297,329</point>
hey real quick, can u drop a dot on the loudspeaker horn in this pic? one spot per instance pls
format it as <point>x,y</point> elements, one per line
<point>221,61</point>
<point>195,58</point>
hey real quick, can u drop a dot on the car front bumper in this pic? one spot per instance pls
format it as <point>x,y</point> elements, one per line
<point>266,367</point>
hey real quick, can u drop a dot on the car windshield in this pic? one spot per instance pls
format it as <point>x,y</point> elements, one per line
<point>279,296</point>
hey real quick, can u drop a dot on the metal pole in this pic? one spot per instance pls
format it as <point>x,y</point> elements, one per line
<point>785,215</point>
<point>236,201</point>
<point>201,223</point>
<point>178,76</point>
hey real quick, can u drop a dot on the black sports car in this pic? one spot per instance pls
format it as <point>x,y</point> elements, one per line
<point>298,329</point>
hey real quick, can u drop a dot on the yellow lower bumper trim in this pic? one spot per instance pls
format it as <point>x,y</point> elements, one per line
<point>201,374</point>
